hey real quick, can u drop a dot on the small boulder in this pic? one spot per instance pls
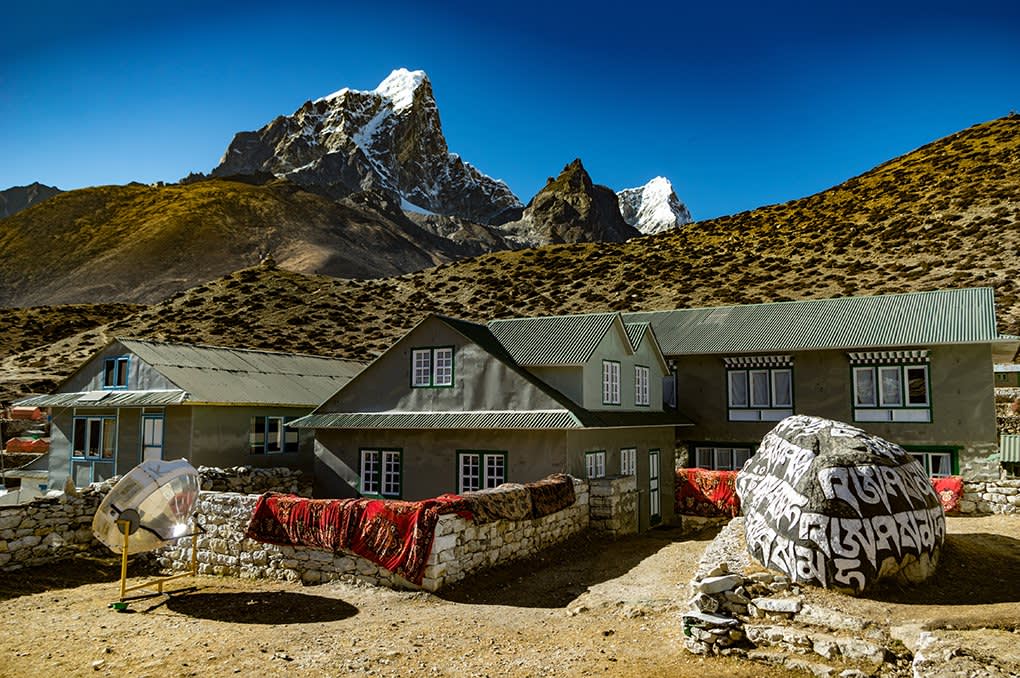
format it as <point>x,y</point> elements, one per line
<point>830,505</point>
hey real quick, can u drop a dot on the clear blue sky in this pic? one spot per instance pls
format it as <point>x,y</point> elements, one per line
<point>738,104</point>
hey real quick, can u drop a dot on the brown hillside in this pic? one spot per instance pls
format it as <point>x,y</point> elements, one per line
<point>140,243</point>
<point>945,215</point>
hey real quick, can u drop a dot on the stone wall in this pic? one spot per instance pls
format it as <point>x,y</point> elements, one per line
<point>993,496</point>
<point>249,480</point>
<point>613,504</point>
<point>48,529</point>
<point>53,528</point>
<point>460,548</point>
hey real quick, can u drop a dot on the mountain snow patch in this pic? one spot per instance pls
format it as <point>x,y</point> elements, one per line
<point>654,207</point>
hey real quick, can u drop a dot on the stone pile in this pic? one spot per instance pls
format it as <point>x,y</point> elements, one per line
<point>251,480</point>
<point>614,507</point>
<point>993,496</point>
<point>724,601</point>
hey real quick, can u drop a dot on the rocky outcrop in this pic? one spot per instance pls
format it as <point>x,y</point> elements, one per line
<point>571,208</point>
<point>830,505</point>
<point>389,139</point>
<point>17,198</point>
<point>654,207</point>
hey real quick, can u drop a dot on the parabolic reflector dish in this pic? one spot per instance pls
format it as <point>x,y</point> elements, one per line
<point>156,498</point>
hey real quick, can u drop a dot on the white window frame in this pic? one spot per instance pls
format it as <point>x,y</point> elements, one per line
<point>610,382</point>
<point>744,401</point>
<point>432,367</point>
<point>489,469</point>
<point>883,407</point>
<point>380,472</point>
<point>642,391</point>
<point>595,463</point>
<point>628,461</point>
<point>721,457</point>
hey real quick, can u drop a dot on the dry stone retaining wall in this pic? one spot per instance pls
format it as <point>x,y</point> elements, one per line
<point>460,547</point>
<point>53,528</point>
<point>614,504</point>
<point>993,496</point>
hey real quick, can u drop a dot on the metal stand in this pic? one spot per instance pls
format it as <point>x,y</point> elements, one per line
<point>121,605</point>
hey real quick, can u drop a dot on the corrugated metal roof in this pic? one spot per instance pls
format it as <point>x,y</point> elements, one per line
<point>913,319</point>
<point>107,399</point>
<point>490,419</point>
<point>505,419</point>
<point>1009,447</point>
<point>552,340</point>
<point>636,332</point>
<point>231,375</point>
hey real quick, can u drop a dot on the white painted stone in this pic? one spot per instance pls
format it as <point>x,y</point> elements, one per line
<point>719,584</point>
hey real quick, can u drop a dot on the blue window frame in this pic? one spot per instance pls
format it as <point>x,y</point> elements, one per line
<point>115,372</point>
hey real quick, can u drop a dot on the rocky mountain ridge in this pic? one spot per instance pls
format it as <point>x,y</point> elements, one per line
<point>389,138</point>
<point>946,215</point>
<point>17,198</point>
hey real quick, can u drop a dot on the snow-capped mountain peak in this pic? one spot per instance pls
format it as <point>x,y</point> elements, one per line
<point>399,87</point>
<point>654,207</point>
<point>389,138</point>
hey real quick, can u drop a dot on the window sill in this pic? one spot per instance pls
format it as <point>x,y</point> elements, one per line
<point>893,415</point>
<point>759,414</point>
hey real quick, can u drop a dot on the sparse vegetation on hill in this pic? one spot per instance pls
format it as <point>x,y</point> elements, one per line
<point>945,215</point>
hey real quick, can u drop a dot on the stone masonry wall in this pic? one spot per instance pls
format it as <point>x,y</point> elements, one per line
<point>613,505</point>
<point>460,548</point>
<point>53,528</point>
<point>47,529</point>
<point>993,496</point>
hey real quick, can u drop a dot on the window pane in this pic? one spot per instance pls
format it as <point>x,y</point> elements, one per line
<point>444,367</point>
<point>723,459</point>
<point>941,464</point>
<point>122,368</point>
<point>738,388</point>
<point>257,436</point>
<point>782,388</point>
<point>917,385</point>
<point>864,387</point>
<point>495,473</point>
<point>80,428</point>
<point>703,457</point>
<point>740,457</point>
<point>596,463</point>
<point>109,373</point>
<point>391,473</point>
<point>421,362</point>
<point>274,435</point>
<point>95,436</point>
<point>759,388</point>
<point>109,438</point>
<point>628,461</point>
<point>469,473</point>
<point>890,388</point>
<point>370,471</point>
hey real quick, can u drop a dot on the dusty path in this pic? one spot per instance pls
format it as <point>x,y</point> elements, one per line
<point>586,608</point>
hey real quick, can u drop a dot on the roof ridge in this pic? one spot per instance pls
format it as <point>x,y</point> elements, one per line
<point>210,347</point>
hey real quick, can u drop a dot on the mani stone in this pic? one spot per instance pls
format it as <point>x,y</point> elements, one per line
<point>830,505</point>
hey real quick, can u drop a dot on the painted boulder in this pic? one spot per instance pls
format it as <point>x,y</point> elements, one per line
<point>830,505</point>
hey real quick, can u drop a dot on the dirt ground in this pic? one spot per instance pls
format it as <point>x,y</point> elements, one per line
<point>586,608</point>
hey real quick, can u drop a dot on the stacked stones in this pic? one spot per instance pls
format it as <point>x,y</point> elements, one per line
<point>48,529</point>
<point>993,496</point>
<point>614,504</point>
<point>250,480</point>
<point>460,548</point>
<point>723,601</point>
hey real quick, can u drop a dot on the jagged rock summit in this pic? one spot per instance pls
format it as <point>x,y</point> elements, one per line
<point>654,207</point>
<point>387,139</point>
<point>571,208</point>
<point>17,198</point>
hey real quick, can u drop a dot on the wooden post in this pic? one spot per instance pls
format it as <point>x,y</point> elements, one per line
<point>126,526</point>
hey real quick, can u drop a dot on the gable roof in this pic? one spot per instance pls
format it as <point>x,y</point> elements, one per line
<point>568,415</point>
<point>961,316</point>
<point>636,332</point>
<point>553,340</point>
<point>217,375</point>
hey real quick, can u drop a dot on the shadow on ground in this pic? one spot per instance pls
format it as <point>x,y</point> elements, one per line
<point>64,574</point>
<point>261,607</point>
<point>974,569</point>
<point>558,575</point>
